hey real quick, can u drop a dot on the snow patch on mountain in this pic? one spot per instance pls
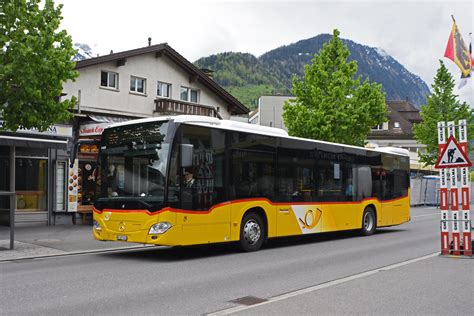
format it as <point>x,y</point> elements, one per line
<point>84,51</point>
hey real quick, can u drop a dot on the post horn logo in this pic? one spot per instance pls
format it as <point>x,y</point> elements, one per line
<point>311,218</point>
<point>121,226</point>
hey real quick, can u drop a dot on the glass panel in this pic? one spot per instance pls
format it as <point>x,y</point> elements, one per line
<point>296,171</point>
<point>86,186</point>
<point>31,152</point>
<point>5,173</point>
<point>252,174</point>
<point>103,78</point>
<point>132,84</point>
<point>166,90</point>
<point>133,166</point>
<point>31,184</point>
<point>112,81</point>
<point>184,94</point>
<point>330,181</point>
<point>141,85</point>
<point>194,96</point>
<point>60,186</point>
<point>202,184</point>
<point>159,89</point>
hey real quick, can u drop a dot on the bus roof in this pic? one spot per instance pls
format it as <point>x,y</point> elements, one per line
<point>248,128</point>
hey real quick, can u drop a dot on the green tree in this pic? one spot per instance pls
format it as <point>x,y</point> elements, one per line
<point>35,60</point>
<point>441,105</point>
<point>330,102</point>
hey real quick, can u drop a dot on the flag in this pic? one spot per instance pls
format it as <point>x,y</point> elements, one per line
<point>464,78</point>
<point>457,51</point>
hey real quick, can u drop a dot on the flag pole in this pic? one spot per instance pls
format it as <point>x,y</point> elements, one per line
<point>452,17</point>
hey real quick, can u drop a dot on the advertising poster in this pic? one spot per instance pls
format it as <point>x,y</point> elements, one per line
<point>72,187</point>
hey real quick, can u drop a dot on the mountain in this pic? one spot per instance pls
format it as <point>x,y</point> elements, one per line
<point>247,77</point>
<point>84,51</point>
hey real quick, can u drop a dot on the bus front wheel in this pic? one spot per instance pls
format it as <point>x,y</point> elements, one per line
<point>368,222</point>
<point>252,232</point>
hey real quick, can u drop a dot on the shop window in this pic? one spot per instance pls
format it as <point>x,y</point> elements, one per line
<point>31,181</point>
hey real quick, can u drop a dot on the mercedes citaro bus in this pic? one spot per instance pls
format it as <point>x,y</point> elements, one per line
<point>188,180</point>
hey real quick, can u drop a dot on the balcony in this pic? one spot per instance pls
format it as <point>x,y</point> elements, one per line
<point>165,106</point>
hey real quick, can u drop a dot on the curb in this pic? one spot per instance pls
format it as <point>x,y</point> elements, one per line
<point>81,252</point>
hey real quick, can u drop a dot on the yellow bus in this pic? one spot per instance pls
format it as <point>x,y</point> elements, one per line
<point>188,180</point>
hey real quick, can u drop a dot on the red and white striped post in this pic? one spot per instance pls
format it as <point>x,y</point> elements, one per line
<point>465,190</point>
<point>443,192</point>
<point>453,173</point>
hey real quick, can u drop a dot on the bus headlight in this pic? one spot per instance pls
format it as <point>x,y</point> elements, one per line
<point>97,226</point>
<point>159,228</point>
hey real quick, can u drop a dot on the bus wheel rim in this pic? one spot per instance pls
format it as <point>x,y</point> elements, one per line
<point>368,221</point>
<point>252,232</point>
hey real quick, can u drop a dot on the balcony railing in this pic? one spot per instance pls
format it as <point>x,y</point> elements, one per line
<point>172,107</point>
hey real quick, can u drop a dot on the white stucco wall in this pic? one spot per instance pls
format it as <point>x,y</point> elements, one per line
<point>93,97</point>
<point>270,109</point>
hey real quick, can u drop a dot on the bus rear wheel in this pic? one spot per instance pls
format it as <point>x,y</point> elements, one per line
<point>252,232</point>
<point>368,222</point>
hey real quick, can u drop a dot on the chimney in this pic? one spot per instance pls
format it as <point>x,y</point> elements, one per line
<point>149,41</point>
<point>208,72</point>
<point>111,52</point>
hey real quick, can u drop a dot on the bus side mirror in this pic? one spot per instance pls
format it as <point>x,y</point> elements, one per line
<point>186,155</point>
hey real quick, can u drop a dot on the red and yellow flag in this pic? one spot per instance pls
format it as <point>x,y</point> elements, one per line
<point>457,51</point>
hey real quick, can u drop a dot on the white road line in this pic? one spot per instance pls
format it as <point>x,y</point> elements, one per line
<point>321,286</point>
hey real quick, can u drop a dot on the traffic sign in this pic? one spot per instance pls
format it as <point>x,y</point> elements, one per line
<point>452,156</point>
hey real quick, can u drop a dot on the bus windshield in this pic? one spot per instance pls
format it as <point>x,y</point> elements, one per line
<point>133,166</point>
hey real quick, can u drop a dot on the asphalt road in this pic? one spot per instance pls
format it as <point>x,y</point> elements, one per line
<point>331,273</point>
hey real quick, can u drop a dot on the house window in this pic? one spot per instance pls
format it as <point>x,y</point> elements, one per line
<point>109,79</point>
<point>396,124</point>
<point>190,95</point>
<point>163,89</point>
<point>137,84</point>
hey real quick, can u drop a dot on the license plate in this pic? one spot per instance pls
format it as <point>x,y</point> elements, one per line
<point>122,238</point>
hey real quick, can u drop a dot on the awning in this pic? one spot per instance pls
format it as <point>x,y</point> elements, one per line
<point>108,119</point>
<point>32,142</point>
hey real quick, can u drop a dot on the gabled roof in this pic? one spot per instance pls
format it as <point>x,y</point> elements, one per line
<point>236,107</point>
<point>407,110</point>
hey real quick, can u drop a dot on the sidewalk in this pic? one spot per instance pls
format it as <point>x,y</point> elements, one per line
<point>44,241</point>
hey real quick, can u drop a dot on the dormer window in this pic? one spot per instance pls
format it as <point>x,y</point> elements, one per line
<point>396,124</point>
<point>109,79</point>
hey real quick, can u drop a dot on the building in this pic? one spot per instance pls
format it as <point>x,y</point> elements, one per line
<point>270,111</point>
<point>33,166</point>
<point>396,132</point>
<point>144,82</point>
<point>148,81</point>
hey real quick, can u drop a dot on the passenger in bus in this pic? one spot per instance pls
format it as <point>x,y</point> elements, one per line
<point>189,178</point>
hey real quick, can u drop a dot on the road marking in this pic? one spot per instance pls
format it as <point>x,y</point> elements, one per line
<point>310,289</point>
<point>426,215</point>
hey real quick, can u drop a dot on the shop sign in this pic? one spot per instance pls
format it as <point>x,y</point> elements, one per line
<point>54,130</point>
<point>92,129</point>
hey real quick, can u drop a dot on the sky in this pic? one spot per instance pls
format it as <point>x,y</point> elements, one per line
<point>413,32</point>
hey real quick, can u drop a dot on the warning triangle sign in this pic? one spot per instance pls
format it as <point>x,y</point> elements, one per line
<point>452,156</point>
